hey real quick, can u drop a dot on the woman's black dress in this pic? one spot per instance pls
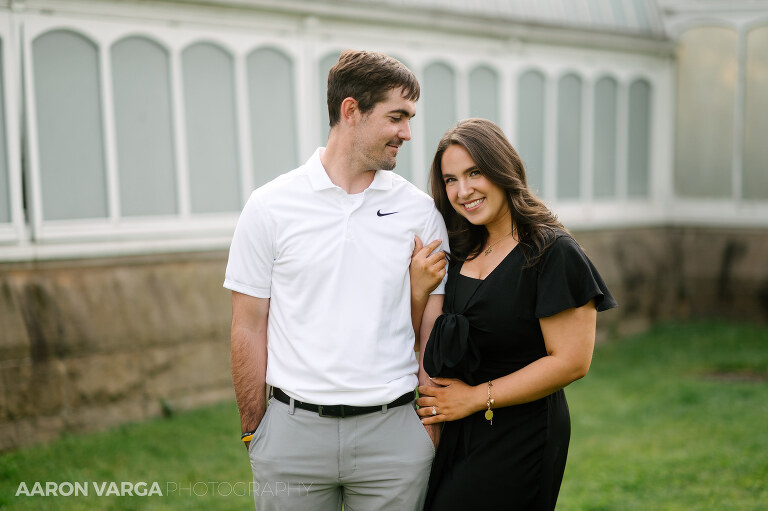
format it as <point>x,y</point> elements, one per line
<point>490,328</point>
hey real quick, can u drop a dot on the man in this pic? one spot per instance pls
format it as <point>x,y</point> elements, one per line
<point>319,269</point>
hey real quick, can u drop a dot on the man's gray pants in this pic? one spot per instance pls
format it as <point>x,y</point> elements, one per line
<point>377,461</point>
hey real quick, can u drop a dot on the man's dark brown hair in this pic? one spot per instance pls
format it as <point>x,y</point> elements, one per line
<point>367,76</point>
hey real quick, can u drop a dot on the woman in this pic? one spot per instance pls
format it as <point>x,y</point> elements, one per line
<point>518,325</point>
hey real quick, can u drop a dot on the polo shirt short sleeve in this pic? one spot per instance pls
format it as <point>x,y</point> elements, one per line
<point>252,253</point>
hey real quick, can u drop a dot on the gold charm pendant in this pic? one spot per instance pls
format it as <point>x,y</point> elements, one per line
<point>490,402</point>
<point>491,245</point>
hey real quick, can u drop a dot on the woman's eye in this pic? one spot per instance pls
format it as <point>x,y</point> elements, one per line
<point>474,173</point>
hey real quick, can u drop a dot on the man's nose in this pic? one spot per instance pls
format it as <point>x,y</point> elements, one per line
<point>405,131</point>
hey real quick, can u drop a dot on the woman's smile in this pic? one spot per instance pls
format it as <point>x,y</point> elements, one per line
<point>471,206</point>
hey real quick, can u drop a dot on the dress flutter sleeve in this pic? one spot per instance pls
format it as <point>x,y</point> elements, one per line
<point>568,279</point>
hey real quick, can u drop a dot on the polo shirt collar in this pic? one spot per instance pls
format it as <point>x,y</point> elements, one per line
<point>319,179</point>
<point>382,180</point>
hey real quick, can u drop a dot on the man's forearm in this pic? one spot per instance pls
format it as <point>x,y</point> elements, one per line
<point>249,369</point>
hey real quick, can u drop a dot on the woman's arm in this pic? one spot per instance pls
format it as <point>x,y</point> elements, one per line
<point>433,309</point>
<point>426,272</point>
<point>569,337</point>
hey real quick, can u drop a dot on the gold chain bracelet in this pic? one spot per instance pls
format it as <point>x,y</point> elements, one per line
<point>490,402</point>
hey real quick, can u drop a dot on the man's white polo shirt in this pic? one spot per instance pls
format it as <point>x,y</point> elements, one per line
<point>335,267</point>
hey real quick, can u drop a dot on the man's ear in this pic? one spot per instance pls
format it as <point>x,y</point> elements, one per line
<point>350,111</point>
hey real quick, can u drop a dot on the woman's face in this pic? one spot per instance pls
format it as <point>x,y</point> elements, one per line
<point>470,193</point>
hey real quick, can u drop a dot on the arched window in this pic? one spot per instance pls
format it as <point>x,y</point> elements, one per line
<point>569,137</point>
<point>604,140</point>
<point>484,93</point>
<point>211,129</point>
<point>68,111</point>
<point>754,183</point>
<point>639,139</point>
<point>706,88</point>
<point>144,130</point>
<point>273,115</point>
<point>530,128</point>
<point>439,97</point>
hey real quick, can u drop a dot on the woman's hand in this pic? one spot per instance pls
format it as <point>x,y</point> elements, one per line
<point>452,400</point>
<point>427,268</point>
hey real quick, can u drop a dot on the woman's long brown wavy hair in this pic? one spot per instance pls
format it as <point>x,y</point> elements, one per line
<point>534,224</point>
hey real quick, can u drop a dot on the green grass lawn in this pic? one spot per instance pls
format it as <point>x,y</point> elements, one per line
<point>184,454</point>
<point>674,419</point>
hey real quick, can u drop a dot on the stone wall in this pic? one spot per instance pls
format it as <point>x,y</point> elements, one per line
<point>679,273</point>
<point>88,344</point>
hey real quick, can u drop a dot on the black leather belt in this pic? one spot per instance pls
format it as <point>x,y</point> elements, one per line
<point>341,411</point>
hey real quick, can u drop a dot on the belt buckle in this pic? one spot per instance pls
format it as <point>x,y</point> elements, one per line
<point>332,411</point>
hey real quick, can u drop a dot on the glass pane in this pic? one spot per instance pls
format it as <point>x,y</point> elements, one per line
<point>69,126</point>
<point>5,196</point>
<point>619,12</point>
<point>209,106</point>
<point>404,156</point>
<point>530,128</point>
<point>484,94</point>
<point>641,14</point>
<point>568,137</point>
<point>604,144</point>
<point>325,65</point>
<point>639,139</point>
<point>146,165</point>
<point>706,87</point>
<point>273,114</point>
<point>755,169</point>
<point>439,96</point>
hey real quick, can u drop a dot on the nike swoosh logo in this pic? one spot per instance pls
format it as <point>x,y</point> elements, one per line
<point>379,213</point>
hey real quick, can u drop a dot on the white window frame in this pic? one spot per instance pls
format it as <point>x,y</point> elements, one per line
<point>306,39</point>
<point>215,227</point>
<point>15,230</point>
<point>588,212</point>
<point>734,210</point>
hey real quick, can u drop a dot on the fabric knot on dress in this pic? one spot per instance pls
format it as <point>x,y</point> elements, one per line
<point>450,353</point>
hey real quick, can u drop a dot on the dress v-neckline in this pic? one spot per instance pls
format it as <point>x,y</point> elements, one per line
<point>481,281</point>
<point>494,268</point>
